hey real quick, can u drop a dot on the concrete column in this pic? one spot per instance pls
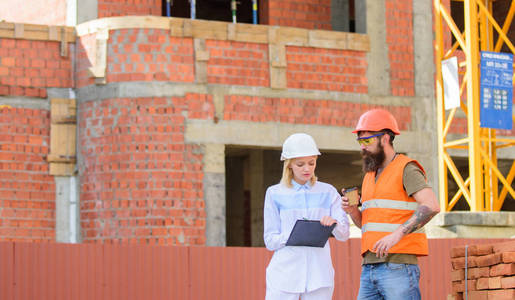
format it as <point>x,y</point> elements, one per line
<point>71,12</point>
<point>425,106</point>
<point>423,48</point>
<point>87,10</point>
<point>427,161</point>
<point>340,15</point>
<point>67,217</point>
<point>67,208</point>
<point>378,72</point>
<point>214,194</point>
<point>257,196</point>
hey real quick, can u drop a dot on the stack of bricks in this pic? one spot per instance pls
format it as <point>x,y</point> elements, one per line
<point>490,272</point>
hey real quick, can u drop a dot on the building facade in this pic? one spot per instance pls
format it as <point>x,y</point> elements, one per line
<point>178,122</point>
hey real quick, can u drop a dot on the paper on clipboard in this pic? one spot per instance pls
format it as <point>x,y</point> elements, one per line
<point>309,233</point>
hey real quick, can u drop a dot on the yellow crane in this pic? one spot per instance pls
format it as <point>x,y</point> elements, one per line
<point>481,188</point>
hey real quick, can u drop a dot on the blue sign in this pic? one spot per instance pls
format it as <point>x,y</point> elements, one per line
<point>496,90</point>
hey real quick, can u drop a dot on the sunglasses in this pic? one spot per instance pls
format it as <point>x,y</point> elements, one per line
<point>367,140</point>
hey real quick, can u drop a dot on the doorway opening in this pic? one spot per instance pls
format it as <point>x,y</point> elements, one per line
<point>250,171</point>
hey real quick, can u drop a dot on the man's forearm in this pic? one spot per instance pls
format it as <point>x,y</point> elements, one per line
<point>356,217</point>
<point>420,217</point>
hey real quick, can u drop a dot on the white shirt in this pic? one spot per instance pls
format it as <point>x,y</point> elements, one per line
<point>297,269</point>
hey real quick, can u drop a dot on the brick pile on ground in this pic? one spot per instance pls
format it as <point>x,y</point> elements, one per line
<point>490,272</point>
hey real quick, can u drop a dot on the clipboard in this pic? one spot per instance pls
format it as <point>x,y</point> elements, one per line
<point>309,233</point>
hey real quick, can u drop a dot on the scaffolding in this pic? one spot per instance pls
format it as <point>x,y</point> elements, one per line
<point>481,188</point>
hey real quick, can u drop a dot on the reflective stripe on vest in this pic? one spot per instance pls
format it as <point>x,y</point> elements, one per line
<point>382,215</point>
<point>384,227</point>
<point>384,203</point>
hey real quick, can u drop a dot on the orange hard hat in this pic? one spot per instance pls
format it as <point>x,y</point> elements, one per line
<point>377,120</point>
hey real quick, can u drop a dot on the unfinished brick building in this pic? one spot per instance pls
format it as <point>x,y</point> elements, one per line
<point>123,125</point>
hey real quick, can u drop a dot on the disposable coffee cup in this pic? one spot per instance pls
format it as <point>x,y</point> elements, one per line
<point>352,195</point>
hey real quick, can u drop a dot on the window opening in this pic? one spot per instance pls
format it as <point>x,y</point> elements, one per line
<point>348,16</point>
<point>215,10</point>
<point>499,11</point>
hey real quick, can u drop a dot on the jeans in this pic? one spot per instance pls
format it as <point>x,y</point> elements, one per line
<point>389,281</point>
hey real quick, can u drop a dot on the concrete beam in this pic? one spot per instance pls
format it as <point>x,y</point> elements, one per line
<point>25,102</point>
<point>170,89</point>
<point>500,218</point>
<point>464,224</point>
<point>205,29</point>
<point>272,135</point>
<point>66,93</point>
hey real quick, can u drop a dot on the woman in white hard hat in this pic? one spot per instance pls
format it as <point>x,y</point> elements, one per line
<point>299,271</point>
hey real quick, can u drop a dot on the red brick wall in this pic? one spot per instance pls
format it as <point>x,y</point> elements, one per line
<point>153,55</point>
<point>111,8</point>
<point>138,55</point>
<point>140,181</point>
<point>238,63</point>
<point>86,51</point>
<point>326,69</point>
<point>27,192</point>
<point>297,111</point>
<point>399,38</point>
<point>28,67</point>
<point>310,14</point>
<point>43,12</point>
<point>149,55</point>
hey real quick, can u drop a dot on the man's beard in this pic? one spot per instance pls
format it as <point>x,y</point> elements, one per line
<point>373,161</point>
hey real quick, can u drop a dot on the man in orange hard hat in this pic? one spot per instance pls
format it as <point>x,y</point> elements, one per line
<point>396,202</point>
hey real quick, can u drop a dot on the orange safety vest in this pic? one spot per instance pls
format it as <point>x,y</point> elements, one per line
<point>386,206</point>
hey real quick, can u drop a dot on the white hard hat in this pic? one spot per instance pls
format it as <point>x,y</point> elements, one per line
<point>299,145</point>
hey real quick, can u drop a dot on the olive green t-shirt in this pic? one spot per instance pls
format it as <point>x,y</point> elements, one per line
<point>413,180</point>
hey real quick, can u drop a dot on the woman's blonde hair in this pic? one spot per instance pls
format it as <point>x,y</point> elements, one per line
<point>288,174</point>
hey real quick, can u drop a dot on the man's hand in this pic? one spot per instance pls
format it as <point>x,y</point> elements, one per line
<point>346,206</point>
<point>352,210</point>
<point>384,245</point>
<point>428,207</point>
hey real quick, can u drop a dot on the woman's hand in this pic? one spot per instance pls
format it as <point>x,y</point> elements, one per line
<point>327,221</point>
